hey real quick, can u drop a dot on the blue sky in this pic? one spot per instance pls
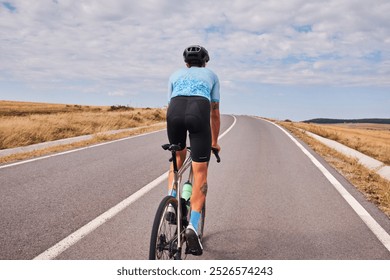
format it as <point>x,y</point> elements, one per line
<point>286,59</point>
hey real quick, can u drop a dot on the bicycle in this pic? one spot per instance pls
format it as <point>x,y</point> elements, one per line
<point>172,217</point>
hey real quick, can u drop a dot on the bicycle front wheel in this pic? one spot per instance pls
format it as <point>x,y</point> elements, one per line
<point>163,240</point>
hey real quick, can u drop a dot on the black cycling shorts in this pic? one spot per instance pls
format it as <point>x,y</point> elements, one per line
<point>192,114</point>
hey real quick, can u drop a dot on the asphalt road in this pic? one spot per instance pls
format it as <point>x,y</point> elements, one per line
<point>266,200</point>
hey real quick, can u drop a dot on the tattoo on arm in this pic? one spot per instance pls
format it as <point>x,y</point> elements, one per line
<point>215,106</point>
<point>204,188</point>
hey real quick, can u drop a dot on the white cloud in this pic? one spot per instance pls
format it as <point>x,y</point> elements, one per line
<point>117,93</point>
<point>133,46</point>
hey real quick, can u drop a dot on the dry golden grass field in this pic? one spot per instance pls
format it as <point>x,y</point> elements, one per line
<point>26,123</point>
<point>373,140</point>
<point>370,139</point>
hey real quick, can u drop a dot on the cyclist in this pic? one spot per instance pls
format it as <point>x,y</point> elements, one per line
<point>194,107</point>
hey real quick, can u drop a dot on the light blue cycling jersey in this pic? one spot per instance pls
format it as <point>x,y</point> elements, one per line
<point>194,81</point>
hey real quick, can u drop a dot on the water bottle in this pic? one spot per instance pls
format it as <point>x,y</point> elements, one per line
<point>186,193</point>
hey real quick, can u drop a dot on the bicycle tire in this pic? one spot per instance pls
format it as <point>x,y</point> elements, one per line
<point>164,232</point>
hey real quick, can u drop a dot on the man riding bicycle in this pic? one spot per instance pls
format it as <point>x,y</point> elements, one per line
<point>194,107</point>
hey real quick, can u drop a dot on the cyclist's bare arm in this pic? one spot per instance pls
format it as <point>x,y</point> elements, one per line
<point>215,121</point>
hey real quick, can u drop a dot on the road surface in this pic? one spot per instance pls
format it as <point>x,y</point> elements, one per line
<point>266,200</point>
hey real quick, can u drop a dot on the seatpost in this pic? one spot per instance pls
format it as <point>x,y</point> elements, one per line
<point>178,195</point>
<point>174,160</point>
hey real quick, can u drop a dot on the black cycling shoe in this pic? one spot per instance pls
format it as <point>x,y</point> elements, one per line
<point>194,246</point>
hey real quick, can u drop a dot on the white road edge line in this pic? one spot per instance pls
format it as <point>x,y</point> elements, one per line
<point>372,224</point>
<point>79,234</point>
<point>230,128</point>
<point>77,150</point>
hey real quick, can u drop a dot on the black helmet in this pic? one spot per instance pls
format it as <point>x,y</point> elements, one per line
<point>196,55</point>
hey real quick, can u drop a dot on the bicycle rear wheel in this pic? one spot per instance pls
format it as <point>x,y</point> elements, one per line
<point>163,240</point>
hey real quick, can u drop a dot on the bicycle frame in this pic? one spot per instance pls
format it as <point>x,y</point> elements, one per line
<point>175,243</point>
<point>178,173</point>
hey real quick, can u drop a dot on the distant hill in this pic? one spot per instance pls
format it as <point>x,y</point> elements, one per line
<point>332,121</point>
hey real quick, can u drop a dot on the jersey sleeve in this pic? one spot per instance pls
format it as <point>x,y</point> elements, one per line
<point>215,96</point>
<point>170,89</point>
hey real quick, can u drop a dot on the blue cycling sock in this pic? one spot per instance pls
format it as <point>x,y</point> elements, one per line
<point>172,192</point>
<point>194,219</point>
